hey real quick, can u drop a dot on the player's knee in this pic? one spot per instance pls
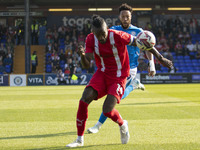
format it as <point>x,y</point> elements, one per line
<point>89,95</point>
<point>107,109</point>
<point>109,103</point>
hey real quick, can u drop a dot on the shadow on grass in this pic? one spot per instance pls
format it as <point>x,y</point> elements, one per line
<point>83,147</point>
<point>166,146</point>
<point>38,136</point>
<point>156,103</point>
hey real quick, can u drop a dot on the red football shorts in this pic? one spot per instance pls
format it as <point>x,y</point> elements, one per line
<point>105,84</point>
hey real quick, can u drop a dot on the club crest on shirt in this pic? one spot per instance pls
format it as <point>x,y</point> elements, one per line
<point>133,33</point>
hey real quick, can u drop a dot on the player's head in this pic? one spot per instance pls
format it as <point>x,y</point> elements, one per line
<point>99,28</point>
<point>125,16</point>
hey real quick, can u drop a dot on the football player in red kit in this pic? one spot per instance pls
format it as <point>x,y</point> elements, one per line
<point>112,61</point>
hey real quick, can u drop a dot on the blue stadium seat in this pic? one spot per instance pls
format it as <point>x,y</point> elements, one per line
<point>195,60</point>
<point>192,70</point>
<point>187,57</point>
<point>176,64</point>
<point>158,71</point>
<point>62,62</point>
<point>179,71</point>
<point>3,40</point>
<point>187,60</point>
<point>62,41</point>
<point>164,71</point>
<point>196,67</point>
<point>185,70</point>
<point>192,54</point>
<point>174,57</point>
<point>145,71</point>
<point>181,60</point>
<point>189,64</point>
<point>8,68</point>
<point>84,71</point>
<point>62,66</point>
<point>195,64</point>
<point>47,55</point>
<point>173,53</point>
<point>48,68</point>
<point>182,65</point>
<point>179,57</point>
<point>197,71</point>
<point>176,60</point>
<point>62,47</point>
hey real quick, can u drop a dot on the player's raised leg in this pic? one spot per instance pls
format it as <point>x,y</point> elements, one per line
<point>110,112</point>
<point>131,84</point>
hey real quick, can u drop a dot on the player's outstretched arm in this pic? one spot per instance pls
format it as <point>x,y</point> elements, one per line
<point>85,57</point>
<point>151,68</point>
<point>164,61</point>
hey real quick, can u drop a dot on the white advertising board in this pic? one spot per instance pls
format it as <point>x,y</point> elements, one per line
<point>18,80</point>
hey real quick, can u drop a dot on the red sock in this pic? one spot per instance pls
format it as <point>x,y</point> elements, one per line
<point>115,116</point>
<point>81,118</point>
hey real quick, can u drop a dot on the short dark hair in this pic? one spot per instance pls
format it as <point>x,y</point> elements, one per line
<point>97,21</point>
<point>125,7</point>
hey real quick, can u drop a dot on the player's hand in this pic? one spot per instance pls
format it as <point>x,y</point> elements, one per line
<point>151,73</point>
<point>166,62</point>
<point>81,50</point>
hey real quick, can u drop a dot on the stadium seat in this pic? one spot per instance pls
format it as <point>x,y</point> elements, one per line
<point>48,68</point>
<point>181,61</point>
<point>192,54</point>
<point>182,64</point>
<point>174,57</point>
<point>187,57</point>
<point>185,70</point>
<point>179,71</point>
<point>176,64</point>
<point>179,57</point>
<point>8,68</point>
<point>158,71</point>
<point>195,60</point>
<point>189,64</point>
<point>196,67</point>
<point>62,47</point>
<point>62,66</point>
<point>62,62</point>
<point>198,71</point>
<point>62,41</point>
<point>195,64</point>
<point>187,60</point>
<point>165,71</point>
<point>84,71</point>
<point>145,71</point>
<point>47,55</point>
<point>173,53</point>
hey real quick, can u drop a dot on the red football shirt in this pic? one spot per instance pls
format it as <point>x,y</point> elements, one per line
<point>111,57</point>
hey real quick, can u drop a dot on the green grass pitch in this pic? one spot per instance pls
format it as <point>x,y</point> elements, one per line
<point>163,117</point>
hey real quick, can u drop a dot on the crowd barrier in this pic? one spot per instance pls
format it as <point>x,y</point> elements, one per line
<point>83,79</point>
<point>40,79</point>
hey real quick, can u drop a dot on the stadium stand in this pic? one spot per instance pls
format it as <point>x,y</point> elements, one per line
<point>177,40</point>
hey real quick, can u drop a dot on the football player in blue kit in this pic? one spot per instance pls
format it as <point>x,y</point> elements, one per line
<point>133,51</point>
